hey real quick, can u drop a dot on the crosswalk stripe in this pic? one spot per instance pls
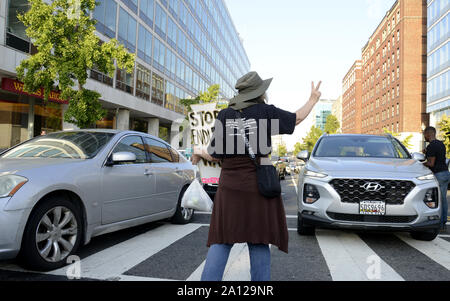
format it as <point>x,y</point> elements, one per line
<point>349,258</point>
<point>238,265</point>
<point>438,249</point>
<point>114,261</point>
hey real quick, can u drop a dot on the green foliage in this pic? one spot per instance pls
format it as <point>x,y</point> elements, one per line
<point>444,128</point>
<point>332,125</point>
<point>67,48</point>
<point>311,139</point>
<point>209,96</point>
<point>406,142</point>
<point>282,150</point>
<point>297,148</point>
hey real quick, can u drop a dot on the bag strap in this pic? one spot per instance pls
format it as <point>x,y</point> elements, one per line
<point>248,147</point>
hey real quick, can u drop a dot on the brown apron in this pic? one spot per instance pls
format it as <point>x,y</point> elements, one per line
<point>241,214</point>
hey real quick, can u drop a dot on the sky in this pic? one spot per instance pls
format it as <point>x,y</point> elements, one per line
<point>299,41</point>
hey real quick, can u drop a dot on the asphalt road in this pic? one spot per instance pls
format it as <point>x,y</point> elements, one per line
<point>161,251</point>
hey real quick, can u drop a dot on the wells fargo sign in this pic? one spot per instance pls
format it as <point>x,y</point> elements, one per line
<point>17,87</point>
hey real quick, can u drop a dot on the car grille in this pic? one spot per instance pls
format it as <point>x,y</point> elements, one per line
<point>393,192</point>
<point>391,219</point>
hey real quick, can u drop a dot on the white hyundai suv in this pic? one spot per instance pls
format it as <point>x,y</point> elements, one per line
<point>367,182</point>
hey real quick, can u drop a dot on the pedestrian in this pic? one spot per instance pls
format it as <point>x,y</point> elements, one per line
<point>436,161</point>
<point>43,133</point>
<point>241,214</point>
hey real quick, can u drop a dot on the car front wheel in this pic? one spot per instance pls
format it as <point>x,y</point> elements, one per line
<point>53,233</point>
<point>182,215</point>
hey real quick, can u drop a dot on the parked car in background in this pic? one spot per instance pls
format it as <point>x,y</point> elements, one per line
<point>367,182</point>
<point>60,190</point>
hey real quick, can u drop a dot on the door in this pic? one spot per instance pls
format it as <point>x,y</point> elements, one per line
<point>168,178</point>
<point>127,188</point>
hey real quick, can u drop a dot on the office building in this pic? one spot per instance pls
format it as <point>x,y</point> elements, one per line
<point>438,56</point>
<point>394,73</point>
<point>321,111</point>
<point>351,99</point>
<point>182,47</point>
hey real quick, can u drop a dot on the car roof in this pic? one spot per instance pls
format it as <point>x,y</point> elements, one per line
<point>356,135</point>
<point>115,132</point>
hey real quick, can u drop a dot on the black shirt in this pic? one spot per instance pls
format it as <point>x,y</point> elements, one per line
<point>260,121</point>
<point>437,149</point>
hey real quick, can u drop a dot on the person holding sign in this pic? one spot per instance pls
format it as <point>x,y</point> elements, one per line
<point>241,213</point>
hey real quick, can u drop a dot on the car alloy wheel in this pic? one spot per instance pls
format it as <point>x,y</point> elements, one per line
<point>56,234</point>
<point>187,213</point>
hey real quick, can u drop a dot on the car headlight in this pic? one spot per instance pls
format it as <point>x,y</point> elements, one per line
<point>10,184</point>
<point>313,174</point>
<point>426,177</point>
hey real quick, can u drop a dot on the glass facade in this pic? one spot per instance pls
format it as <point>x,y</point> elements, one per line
<point>183,46</point>
<point>438,67</point>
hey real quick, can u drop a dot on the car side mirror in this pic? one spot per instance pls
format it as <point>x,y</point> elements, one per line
<point>303,155</point>
<point>122,157</point>
<point>418,157</point>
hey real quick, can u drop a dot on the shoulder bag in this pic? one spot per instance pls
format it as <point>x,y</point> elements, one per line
<point>268,181</point>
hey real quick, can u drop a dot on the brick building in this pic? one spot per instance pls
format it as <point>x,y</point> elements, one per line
<point>394,73</point>
<point>351,100</point>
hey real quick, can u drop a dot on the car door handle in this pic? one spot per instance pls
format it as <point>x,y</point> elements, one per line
<point>148,173</point>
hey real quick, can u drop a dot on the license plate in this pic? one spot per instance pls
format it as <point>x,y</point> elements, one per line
<point>372,208</point>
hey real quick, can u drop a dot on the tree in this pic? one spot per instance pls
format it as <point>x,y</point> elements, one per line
<point>282,150</point>
<point>332,125</point>
<point>406,142</point>
<point>67,48</point>
<point>297,148</point>
<point>209,96</point>
<point>444,128</point>
<point>311,139</point>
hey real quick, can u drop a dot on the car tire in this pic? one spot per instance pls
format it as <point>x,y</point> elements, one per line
<point>425,235</point>
<point>182,216</point>
<point>37,255</point>
<point>304,229</point>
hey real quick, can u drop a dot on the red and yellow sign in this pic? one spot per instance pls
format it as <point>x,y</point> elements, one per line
<point>17,87</point>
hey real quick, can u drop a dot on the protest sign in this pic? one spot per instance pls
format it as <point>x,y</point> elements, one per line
<point>201,120</point>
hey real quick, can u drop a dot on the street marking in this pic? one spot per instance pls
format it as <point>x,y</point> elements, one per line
<point>238,266</point>
<point>116,260</point>
<point>197,274</point>
<point>137,278</point>
<point>347,254</point>
<point>438,249</point>
<point>295,185</point>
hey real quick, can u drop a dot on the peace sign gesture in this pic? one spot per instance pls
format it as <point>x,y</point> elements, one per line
<point>315,93</point>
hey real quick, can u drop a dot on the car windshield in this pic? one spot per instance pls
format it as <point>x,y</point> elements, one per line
<point>361,146</point>
<point>68,145</point>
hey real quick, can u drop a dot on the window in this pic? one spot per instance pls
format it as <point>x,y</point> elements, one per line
<point>105,13</point>
<point>146,11</point>
<point>15,29</point>
<point>157,151</point>
<point>172,33</point>
<point>398,109</point>
<point>157,89</point>
<point>159,53</point>
<point>171,62</point>
<point>127,30</point>
<point>145,45</point>
<point>132,144</point>
<point>143,82</point>
<point>170,96</point>
<point>160,21</point>
<point>125,81</point>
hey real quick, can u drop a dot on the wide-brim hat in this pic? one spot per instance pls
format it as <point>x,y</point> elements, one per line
<point>250,87</point>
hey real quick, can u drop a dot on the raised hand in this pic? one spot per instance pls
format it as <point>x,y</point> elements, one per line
<point>315,93</point>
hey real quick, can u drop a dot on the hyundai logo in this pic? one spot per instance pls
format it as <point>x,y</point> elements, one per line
<point>372,187</point>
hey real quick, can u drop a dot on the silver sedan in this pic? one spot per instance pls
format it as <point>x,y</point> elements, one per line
<point>60,190</point>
